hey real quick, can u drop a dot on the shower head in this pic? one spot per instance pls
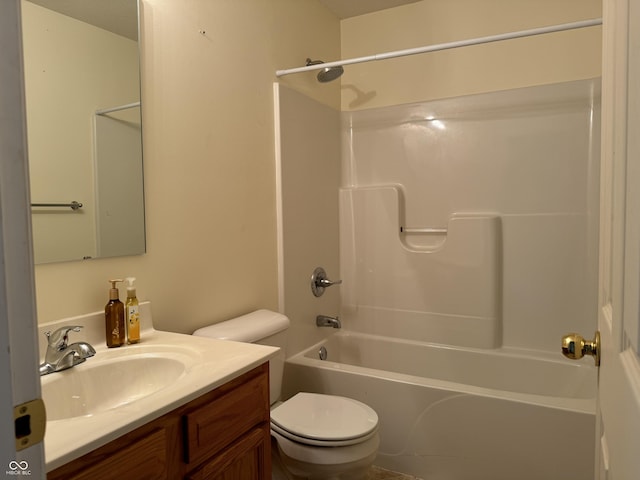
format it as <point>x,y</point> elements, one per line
<point>326,74</point>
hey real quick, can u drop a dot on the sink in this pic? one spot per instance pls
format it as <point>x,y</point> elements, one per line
<point>110,380</point>
<point>120,389</point>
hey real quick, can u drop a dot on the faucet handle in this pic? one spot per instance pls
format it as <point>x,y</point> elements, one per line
<point>319,281</point>
<point>58,339</point>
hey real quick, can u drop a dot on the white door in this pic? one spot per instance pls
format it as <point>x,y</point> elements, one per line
<point>618,422</point>
<point>21,451</point>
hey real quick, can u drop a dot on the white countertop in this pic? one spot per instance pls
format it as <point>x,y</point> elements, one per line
<point>211,363</point>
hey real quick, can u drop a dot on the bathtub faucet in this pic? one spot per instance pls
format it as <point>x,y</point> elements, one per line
<point>326,321</point>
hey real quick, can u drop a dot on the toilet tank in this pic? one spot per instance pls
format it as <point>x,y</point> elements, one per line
<point>263,327</point>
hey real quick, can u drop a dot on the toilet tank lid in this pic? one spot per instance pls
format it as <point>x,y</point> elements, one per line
<point>247,328</point>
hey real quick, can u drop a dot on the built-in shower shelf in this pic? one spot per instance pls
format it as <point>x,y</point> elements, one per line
<point>446,279</point>
<point>424,231</point>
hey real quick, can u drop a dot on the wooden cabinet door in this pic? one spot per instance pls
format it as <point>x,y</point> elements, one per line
<point>247,458</point>
<point>216,424</point>
<point>144,458</point>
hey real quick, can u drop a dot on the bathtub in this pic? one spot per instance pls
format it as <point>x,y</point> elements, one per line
<point>461,414</point>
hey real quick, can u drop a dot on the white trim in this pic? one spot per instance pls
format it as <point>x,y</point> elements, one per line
<point>279,213</point>
<point>18,341</point>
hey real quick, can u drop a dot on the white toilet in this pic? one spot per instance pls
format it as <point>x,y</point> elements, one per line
<point>318,436</point>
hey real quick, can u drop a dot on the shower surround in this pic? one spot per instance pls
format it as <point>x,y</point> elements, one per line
<point>473,221</point>
<point>468,235</point>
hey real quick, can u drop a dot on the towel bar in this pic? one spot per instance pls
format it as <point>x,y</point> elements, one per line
<point>72,205</point>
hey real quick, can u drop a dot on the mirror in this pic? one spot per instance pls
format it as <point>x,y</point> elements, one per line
<point>82,88</point>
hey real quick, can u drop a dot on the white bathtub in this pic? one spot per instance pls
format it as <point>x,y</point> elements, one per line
<point>462,414</point>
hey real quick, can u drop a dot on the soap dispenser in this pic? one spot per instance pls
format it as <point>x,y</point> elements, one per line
<point>132,313</point>
<point>114,317</point>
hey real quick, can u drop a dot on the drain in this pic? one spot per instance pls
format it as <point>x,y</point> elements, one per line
<point>322,353</point>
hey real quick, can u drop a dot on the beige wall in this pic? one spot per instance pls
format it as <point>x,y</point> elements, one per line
<point>209,160</point>
<point>508,64</point>
<point>208,129</point>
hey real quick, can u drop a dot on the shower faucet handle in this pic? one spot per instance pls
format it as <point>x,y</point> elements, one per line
<point>319,281</point>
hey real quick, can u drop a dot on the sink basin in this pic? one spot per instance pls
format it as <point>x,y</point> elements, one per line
<point>103,384</point>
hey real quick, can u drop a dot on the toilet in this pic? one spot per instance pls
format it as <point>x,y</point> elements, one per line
<point>318,436</point>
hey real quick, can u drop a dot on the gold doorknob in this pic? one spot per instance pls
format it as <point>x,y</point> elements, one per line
<point>575,347</point>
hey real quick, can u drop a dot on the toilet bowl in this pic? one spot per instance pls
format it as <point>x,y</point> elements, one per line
<point>318,436</point>
<point>325,436</point>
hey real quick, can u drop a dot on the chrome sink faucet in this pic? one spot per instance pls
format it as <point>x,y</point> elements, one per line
<point>326,321</point>
<point>60,355</point>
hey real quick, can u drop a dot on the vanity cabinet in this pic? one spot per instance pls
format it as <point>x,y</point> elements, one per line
<point>222,435</point>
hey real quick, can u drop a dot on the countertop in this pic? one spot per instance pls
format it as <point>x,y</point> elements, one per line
<point>211,363</point>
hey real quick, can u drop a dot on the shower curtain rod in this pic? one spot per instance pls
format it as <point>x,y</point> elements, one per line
<point>117,109</point>
<point>445,46</point>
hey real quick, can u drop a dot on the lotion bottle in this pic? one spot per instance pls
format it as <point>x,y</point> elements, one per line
<point>114,317</point>
<point>132,312</point>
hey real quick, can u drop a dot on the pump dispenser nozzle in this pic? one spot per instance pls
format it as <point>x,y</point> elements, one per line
<point>130,286</point>
<point>113,292</point>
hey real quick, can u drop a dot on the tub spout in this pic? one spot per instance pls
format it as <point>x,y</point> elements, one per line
<point>326,321</point>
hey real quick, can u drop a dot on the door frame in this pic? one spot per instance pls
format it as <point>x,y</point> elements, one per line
<point>618,407</point>
<point>18,326</point>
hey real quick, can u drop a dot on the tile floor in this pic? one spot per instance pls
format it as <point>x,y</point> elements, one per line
<point>377,473</point>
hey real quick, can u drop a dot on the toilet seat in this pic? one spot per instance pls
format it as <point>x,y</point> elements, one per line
<point>324,420</point>
<point>363,452</point>
<point>321,443</point>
